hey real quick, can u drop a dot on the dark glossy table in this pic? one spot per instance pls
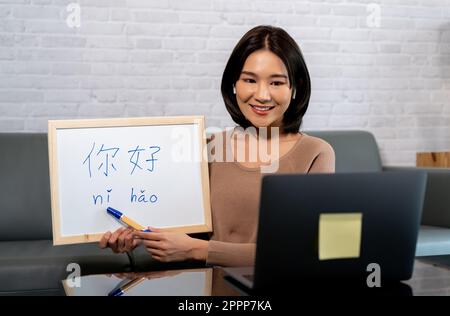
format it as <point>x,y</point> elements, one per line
<point>431,277</point>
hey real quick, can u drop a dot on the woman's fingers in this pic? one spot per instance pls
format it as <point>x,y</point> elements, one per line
<point>157,258</point>
<point>152,244</point>
<point>113,240</point>
<point>154,229</point>
<point>155,252</point>
<point>104,240</point>
<point>136,241</point>
<point>150,236</point>
<point>122,240</point>
<point>115,236</point>
<point>129,241</point>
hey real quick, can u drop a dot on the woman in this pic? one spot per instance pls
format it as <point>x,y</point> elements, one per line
<point>265,85</point>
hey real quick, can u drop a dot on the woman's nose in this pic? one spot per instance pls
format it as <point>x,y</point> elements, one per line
<point>262,93</point>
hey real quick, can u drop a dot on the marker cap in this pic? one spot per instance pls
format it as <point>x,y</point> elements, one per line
<point>117,214</point>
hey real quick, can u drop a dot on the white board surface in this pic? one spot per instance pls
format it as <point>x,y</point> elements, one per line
<point>150,169</point>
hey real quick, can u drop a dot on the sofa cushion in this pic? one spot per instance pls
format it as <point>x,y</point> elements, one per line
<point>24,189</point>
<point>356,151</point>
<point>39,266</point>
<point>433,241</point>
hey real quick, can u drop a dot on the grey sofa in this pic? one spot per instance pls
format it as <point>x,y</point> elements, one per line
<point>357,151</point>
<point>30,264</point>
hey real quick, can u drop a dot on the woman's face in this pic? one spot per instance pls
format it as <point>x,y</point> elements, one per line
<point>263,90</point>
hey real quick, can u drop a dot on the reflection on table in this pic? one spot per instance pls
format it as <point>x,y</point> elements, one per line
<point>186,282</point>
<point>431,277</point>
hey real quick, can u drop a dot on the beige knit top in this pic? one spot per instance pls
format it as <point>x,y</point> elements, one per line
<point>235,192</point>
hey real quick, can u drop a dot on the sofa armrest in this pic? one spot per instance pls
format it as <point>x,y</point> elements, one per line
<point>436,208</point>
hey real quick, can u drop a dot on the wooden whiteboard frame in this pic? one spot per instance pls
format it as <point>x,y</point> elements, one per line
<point>54,125</point>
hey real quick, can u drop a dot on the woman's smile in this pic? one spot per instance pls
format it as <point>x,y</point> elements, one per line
<point>261,109</point>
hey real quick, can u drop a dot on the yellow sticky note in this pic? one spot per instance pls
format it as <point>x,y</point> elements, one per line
<point>339,235</point>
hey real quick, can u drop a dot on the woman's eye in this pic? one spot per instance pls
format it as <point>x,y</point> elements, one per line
<point>249,80</point>
<point>277,83</point>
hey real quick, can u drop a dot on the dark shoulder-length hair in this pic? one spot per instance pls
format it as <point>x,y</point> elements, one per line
<point>279,42</point>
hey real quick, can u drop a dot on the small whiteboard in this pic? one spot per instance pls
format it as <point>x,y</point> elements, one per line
<point>151,169</point>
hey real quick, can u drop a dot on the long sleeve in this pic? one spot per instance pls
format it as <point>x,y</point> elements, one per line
<point>324,162</point>
<point>231,254</point>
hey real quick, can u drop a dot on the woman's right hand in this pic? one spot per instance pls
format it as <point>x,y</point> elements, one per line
<point>120,241</point>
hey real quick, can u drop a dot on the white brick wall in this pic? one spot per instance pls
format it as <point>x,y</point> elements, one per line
<point>166,57</point>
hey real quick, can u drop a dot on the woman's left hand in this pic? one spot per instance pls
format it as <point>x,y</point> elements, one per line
<point>172,246</point>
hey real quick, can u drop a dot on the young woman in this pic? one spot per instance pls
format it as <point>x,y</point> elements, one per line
<point>265,87</point>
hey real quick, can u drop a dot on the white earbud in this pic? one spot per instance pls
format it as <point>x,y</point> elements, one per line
<point>293,94</point>
<point>234,89</point>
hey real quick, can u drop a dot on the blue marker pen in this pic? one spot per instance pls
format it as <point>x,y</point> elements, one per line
<point>121,290</point>
<point>127,221</point>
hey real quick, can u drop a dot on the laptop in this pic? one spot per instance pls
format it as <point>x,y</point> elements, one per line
<point>335,228</point>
